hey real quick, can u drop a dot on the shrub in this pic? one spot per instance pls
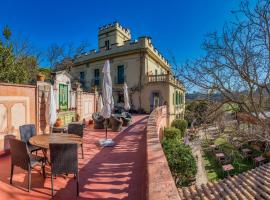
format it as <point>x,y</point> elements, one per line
<point>181,161</point>
<point>171,133</point>
<point>181,125</point>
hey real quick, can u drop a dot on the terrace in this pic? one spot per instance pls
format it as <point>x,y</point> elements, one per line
<point>105,173</point>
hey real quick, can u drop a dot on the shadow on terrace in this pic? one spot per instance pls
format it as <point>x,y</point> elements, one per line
<point>105,173</point>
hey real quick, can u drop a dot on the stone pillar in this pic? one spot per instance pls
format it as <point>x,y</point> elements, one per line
<point>78,103</point>
<point>43,89</point>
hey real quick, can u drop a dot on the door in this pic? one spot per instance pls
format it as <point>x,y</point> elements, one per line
<point>63,97</point>
<point>155,100</point>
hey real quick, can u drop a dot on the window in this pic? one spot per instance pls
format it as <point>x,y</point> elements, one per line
<point>96,77</point>
<point>82,78</point>
<point>107,44</point>
<point>120,74</point>
<point>173,99</point>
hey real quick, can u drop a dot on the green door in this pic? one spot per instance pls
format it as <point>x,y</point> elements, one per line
<point>63,97</point>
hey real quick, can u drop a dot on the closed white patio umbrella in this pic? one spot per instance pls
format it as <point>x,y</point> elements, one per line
<point>126,97</point>
<point>100,103</point>
<point>107,100</point>
<point>51,109</point>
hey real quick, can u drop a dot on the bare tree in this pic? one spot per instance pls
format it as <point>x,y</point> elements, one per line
<point>236,64</point>
<point>55,54</point>
<point>61,56</point>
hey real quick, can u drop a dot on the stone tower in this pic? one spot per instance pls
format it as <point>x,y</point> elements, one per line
<point>112,35</point>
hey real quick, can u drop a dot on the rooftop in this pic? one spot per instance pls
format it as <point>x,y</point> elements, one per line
<point>253,184</point>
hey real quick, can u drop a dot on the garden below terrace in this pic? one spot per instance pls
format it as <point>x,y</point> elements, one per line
<point>237,158</point>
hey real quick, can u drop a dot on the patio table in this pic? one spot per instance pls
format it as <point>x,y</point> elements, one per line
<point>44,140</point>
<point>259,159</point>
<point>227,168</point>
<point>220,155</point>
<point>246,150</point>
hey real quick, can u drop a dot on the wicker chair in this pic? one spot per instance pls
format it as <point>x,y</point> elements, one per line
<point>21,157</point>
<point>126,117</point>
<point>116,123</point>
<point>76,129</point>
<point>64,159</point>
<point>26,132</point>
<point>98,121</point>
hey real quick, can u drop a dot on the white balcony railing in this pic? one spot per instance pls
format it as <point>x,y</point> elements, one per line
<point>168,78</point>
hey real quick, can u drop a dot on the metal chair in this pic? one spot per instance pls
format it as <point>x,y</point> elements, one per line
<point>64,159</point>
<point>126,117</point>
<point>26,132</point>
<point>21,157</point>
<point>76,129</point>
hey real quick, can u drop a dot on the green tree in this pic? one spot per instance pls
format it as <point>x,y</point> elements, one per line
<point>15,68</point>
<point>196,111</point>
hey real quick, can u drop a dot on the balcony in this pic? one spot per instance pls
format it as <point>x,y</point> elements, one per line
<point>167,78</point>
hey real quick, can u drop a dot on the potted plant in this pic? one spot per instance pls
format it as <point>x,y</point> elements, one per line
<point>58,122</point>
<point>90,121</point>
<point>41,77</point>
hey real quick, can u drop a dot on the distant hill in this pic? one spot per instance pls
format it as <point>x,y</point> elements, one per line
<point>197,95</point>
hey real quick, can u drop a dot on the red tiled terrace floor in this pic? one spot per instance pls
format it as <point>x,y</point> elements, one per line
<point>105,173</point>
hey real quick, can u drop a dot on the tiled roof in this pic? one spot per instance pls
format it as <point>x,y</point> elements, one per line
<point>253,184</point>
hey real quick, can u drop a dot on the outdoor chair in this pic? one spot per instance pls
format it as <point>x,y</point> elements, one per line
<point>22,158</point>
<point>76,129</point>
<point>126,117</point>
<point>64,160</point>
<point>98,121</point>
<point>26,132</point>
<point>116,123</point>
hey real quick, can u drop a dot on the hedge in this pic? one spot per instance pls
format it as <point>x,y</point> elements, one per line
<point>181,161</point>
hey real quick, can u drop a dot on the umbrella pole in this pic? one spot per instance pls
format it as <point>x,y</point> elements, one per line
<point>106,129</point>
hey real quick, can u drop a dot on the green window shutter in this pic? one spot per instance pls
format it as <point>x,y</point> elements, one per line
<point>120,74</point>
<point>176,99</point>
<point>63,97</point>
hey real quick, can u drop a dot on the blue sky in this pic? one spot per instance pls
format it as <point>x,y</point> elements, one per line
<point>178,26</point>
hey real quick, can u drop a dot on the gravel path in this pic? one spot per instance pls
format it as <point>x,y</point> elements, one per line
<point>201,176</point>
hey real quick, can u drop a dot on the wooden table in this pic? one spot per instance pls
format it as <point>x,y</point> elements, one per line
<point>44,140</point>
<point>247,152</point>
<point>220,155</point>
<point>259,160</point>
<point>227,168</point>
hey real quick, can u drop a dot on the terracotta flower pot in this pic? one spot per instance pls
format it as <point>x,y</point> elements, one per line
<point>58,123</point>
<point>41,77</point>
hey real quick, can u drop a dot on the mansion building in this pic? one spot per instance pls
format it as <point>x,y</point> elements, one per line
<point>147,73</point>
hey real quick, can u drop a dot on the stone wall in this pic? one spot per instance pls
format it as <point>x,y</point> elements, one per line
<point>17,107</point>
<point>160,183</point>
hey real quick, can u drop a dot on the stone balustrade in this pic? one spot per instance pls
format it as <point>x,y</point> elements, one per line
<point>160,183</point>
<point>168,78</point>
